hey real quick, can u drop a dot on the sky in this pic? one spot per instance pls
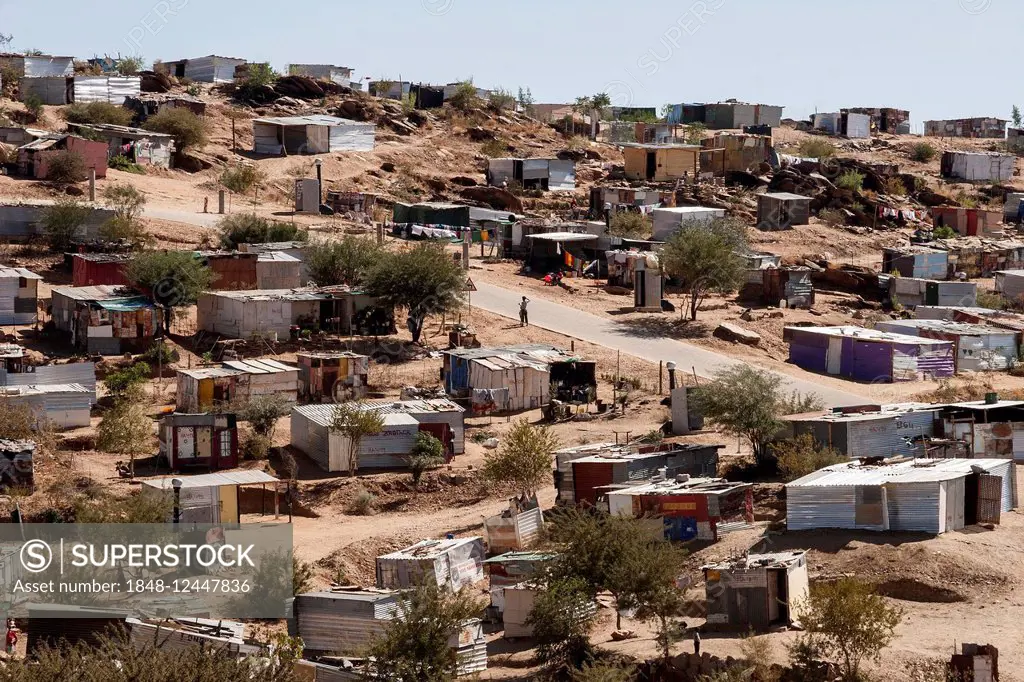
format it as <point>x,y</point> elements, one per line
<point>937,58</point>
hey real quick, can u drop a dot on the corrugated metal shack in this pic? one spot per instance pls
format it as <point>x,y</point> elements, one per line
<point>559,251</point>
<point>63,406</point>
<point>199,440</point>
<point>620,198</point>
<point>277,270</point>
<point>968,222</point>
<point>19,297</point>
<point>916,261</point>
<point>661,162</point>
<point>693,509</point>
<point>516,378</point>
<point>440,417</point>
<point>103,319</point>
<point>977,347</point>
<point>210,498</point>
<point>37,65</point>
<point>12,360</point>
<point>782,211</point>
<point>510,569</point>
<point>848,124</point>
<point>83,373</point>
<point>296,249</point>
<point>342,621</point>
<point>149,104</point>
<point>99,269</point>
<point>869,430</point>
<point>986,428</point>
<point>788,287</point>
<point>726,152</point>
<point>756,591</point>
<point>210,69</point>
<point>922,495</point>
<point>312,134</point>
<point>332,376</point>
<point>312,434</point>
<point>869,355</point>
<point>582,472</point>
<point>232,270</point>
<point>516,528</point>
<point>454,564</point>
<point>555,175</point>
<point>61,90</point>
<point>1010,283</point>
<point>143,147</point>
<point>978,257</point>
<point>995,318</point>
<point>16,470</point>
<point>732,114</point>
<point>885,119</point>
<point>55,625</point>
<point>342,75</point>
<point>911,292</point>
<point>272,312</point>
<point>979,127</point>
<point>34,158</point>
<point>667,221</point>
<point>225,637</point>
<point>977,167</point>
<point>18,135</point>
<point>203,389</point>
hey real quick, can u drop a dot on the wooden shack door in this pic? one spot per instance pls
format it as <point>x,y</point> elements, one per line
<point>990,498</point>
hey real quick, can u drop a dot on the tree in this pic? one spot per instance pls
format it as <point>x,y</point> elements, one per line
<point>355,422</point>
<point>523,462</point>
<point>423,280</point>
<point>247,228</point>
<point>171,279</point>
<point>98,112</point>
<point>525,102</point>
<point>341,261</point>
<point>66,167</point>
<point>747,403</point>
<point>130,66</point>
<point>243,178</point>
<point>62,222</point>
<point>562,618</point>
<point>1015,115</point>
<point>34,107</point>
<point>260,75</point>
<point>666,110</point>
<point>695,132</point>
<point>126,223</point>
<point>427,453</point>
<point>127,380</point>
<point>465,96</point>
<point>414,645</point>
<point>630,225</point>
<point>599,102</point>
<point>804,455</point>
<point>17,422</point>
<point>847,620</point>
<point>126,429</point>
<point>501,100</point>
<point>582,106</point>
<point>262,412</point>
<point>603,672</point>
<point>704,258</point>
<point>188,129</point>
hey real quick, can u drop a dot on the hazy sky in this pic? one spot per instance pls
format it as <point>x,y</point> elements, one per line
<point>938,58</point>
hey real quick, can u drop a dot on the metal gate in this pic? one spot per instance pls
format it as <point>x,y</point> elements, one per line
<point>990,498</point>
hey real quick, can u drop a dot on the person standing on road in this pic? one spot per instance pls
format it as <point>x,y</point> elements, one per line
<point>696,643</point>
<point>524,318</point>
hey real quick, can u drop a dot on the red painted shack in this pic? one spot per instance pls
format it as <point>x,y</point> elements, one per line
<point>692,509</point>
<point>95,269</point>
<point>209,441</point>
<point>34,158</point>
<point>968,222</point>
<point>232,270</point>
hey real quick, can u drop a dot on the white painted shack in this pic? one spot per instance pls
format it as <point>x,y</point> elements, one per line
<point>278,270</point>
<point>1009,283</point>
<point>911,292</point>
<point>37,65</point>
<point>922,495</point>
<point>203,389</point>
<point>555,175</point>
<point>62,406</point>
<point>976,347</point>
<point>453,563</point>
<point>312,434</point>
<point>61,90</point>
<point>667,221</point>
<point>18,296</point>
<point>439,417</point>
<point>312,134</point>
<point>209,69</point>
<point>342,75</point>
<point>977,167</point>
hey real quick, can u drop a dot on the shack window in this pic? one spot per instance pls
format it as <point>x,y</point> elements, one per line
<point>225,444</point>
<point>22,283</point>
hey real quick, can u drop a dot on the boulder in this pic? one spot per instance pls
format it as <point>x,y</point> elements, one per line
<point>737,334</point>
<point>497,198</point>
<point>478,134</point>
<point>463,181</point>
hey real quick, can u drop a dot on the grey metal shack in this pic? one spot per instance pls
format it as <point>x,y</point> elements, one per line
<point>454,563</point>
<point>782,210</point>
<point>343,621</point>
<point>313,134</point>
<point>756,591</point>
<point>924,495</point>
<point>869,431</point>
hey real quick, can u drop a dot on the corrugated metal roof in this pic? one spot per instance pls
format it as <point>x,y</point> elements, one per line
<point>260,366</point>
<point>102,292</point>
<point>310,120</point>
<point>123,305</point>
<point>906,471</point>
<point>11,350</point>
<point>887,412</point>
<point>521,556</point>
<point>323,415</point>
<point>6,273</point>
<point>414,406</point>
<point>211,372</point>
<point>787,196</point>
<point>42,389</point>
<point>563,237</point>
<point>276,256</point>
<point>950,327</point>
<point>272,295</point>
<point>244,477</point>
<point>862,334</point>
<point>694,486</point>
<point>361,595</point>
<point>430,549</point>
<point>121,130</point>
<point>775,559</point>
<point>982,405</point>
<point>638,145</point>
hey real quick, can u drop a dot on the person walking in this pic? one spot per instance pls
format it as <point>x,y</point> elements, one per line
<point>696,643</point>
<point>524,318</point>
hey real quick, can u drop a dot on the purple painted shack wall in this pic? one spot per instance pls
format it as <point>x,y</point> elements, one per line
<point>933,361</point>
<point>809,351</point>
<point>866,361</point>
